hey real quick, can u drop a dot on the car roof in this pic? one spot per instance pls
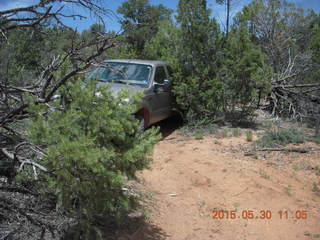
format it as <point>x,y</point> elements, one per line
<point>139,61</point>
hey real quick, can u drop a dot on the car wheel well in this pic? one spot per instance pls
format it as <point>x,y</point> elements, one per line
<point>144,113</point>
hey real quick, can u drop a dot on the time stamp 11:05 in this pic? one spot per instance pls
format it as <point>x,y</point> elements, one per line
<point>260,214</point>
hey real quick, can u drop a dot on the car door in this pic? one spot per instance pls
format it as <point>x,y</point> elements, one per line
<point>162,95</point>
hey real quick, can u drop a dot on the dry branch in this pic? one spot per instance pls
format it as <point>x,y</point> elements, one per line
<point>22,160</point>
<point>299,150</point>
<point>45,11</point>
<point>13,106</point>
<point>17,96</point>
<point>10,206</point>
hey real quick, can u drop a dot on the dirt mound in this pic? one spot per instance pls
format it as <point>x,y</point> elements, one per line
<point>198,184</point>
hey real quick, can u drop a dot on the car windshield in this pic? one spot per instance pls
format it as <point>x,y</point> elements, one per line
<point>130,73</point>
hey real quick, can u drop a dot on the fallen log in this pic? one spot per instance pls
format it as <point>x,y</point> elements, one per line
<point>299,150</point>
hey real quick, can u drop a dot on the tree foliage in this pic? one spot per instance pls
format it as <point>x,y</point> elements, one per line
<point>141,22</point>
<point>80,149</point>
<point>315,40</point>
<point>245,74</point>
<point>165,43</point>
<point>284,33</point>
<point>279,27</point>
<point>92,147</point>
<point>197,88</point>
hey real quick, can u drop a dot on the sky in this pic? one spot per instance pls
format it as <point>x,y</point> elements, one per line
<point>113,17</point>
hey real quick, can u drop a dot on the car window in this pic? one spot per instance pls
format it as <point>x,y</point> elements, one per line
<point>160,75</point>
<point>124,72</point>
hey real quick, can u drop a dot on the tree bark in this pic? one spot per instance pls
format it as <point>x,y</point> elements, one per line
<point>228,15</point>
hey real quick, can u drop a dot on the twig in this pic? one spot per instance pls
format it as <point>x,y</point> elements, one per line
<point>300,150</point>
<point>24,161</point>
<point>5,236</point>
<point>8,154</point>
<point>16,189</point>
<point>6,204</point>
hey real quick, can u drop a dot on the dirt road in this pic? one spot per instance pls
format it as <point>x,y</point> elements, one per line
<point>190,179</point>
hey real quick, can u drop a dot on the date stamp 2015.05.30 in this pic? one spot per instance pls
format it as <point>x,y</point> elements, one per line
<point>259,214</point>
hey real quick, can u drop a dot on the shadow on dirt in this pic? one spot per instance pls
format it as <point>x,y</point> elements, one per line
<point>135,229</point>
<point>149,232</point>
<point>169,125</point>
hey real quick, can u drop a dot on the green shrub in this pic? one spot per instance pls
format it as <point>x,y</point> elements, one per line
<point>263,174</point>
<point>274,138</point>
<point>316,189</point>
<point>223,133</point>
<point>198,127</point>
<point>198,134</point>
<point>92,147</point>
<point>249,136</point>
<point>317,139</point>
<point>212,129</point>
<point>236,132</point>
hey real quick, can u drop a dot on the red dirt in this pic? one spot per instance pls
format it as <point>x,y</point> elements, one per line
<point>190,178</point>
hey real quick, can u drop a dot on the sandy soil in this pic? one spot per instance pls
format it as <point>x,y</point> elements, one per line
<point>189,179</point>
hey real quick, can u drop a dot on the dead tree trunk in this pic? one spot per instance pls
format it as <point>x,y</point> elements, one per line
<point>228,15</point>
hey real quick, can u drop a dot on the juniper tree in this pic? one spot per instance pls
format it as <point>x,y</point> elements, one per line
<point>245,74</point>
<point>141,22</point>
<point>197,89</point>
